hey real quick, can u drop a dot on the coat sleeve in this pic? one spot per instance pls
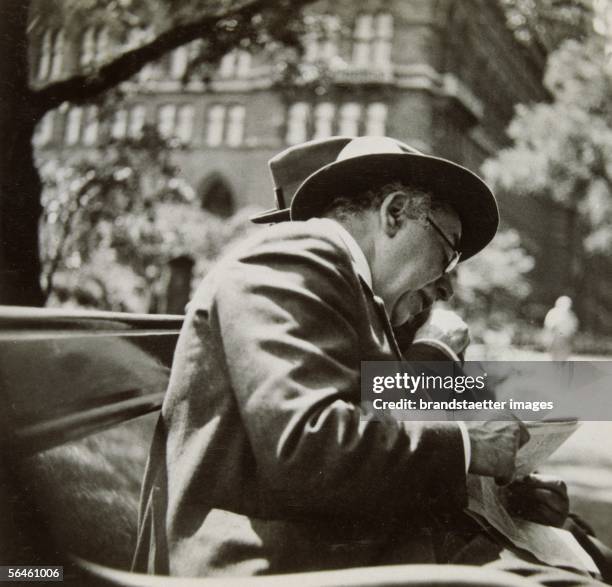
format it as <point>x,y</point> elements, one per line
<point>287,314</point>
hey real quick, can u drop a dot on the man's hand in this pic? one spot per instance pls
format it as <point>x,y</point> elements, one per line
<point>447,327</point>
<point>539,498</point>
<point>494,444</point>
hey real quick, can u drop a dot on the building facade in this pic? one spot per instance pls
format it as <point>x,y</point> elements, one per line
<point>442,75</point>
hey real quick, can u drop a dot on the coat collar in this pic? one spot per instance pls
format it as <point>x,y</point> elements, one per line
<point>359,259</point>
<point>365,275</point>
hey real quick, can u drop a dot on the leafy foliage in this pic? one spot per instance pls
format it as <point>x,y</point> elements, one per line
<point>113,218</point>
<point>548,22</point>
<point>563,150</point>
<point>492,286</point>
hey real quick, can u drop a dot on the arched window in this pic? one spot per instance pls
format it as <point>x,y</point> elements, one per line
<point>350,113</point>
<point>297,123</point>
<point>216,196</point>
<point>376,120</point>
<point>324,120</point>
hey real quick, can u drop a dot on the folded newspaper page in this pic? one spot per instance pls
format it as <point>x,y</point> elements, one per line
<point>545,438</point>
<point>552,546</point>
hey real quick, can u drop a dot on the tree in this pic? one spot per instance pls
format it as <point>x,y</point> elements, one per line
<point>115,216</point>
<point>220,24</point>
<point>549,22</point>
<point>562,152</point>
<point>492,287</point>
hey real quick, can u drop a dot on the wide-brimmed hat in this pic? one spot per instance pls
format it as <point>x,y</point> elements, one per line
<point>366,163</point>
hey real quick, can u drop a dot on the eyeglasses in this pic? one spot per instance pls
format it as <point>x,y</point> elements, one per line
<point>455,256</point>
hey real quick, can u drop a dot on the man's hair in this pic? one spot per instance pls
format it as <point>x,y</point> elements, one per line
<point>419,203</point>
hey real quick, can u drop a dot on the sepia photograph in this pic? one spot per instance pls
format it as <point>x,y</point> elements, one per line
<point>306,292</point>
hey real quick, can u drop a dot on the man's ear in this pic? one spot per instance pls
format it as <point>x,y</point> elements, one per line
<point>392,212</point>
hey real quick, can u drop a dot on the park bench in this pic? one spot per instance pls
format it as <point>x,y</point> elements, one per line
<point>80,391</point>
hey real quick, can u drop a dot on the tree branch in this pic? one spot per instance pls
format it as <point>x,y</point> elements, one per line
<point>83,87</point>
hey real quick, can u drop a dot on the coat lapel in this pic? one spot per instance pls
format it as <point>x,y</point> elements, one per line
<point>384,319</point>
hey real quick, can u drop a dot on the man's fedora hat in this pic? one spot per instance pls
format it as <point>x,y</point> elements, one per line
<point>365,163</point>
<point>289,169</point>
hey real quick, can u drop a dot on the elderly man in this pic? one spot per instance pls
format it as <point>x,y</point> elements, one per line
<point>261,461</point>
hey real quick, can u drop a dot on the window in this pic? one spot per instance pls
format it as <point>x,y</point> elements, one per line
<point>225,124</point>
<point>243,64</point>
<point>44,130</point>
<point>372,40</point>
<point>44,62</point>
<point>228,64</point>
<point>364,33</point>
<point>147,73</point>
<point>57,56</point>
<point>297,123</point>
<point>383,40</point>
<point>88,47</point>
<point>51,60</point>
<point>376,119</point>
<point>103,45</point>
<point>138,115</point>
<point>90,133</point>
<point>321,42</point>
<point>73,125</point>
<point>184,126</point>
<point>214,125</point>
<point>166,120</point>
<point>235,126</point>
<point>350,114</point>
<point>95,46</point>
<point>235,64</point>
<point>119,128</point>
<point>178,62</point>
<point>323,120</point>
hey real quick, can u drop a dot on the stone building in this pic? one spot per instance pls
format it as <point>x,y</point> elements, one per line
<point>441,75</point>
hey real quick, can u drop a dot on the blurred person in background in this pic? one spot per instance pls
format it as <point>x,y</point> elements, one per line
<point>560,328</point>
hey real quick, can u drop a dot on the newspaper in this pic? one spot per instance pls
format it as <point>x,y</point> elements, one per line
<point>552,546</point>
<point>545,438</point>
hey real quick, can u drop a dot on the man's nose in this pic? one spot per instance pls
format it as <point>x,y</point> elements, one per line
<point>444,288</point>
